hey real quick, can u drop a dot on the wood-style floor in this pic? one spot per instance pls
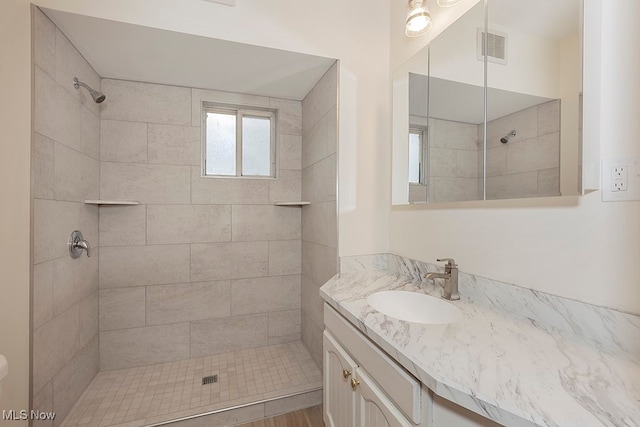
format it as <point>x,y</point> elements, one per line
<point>310,417</point>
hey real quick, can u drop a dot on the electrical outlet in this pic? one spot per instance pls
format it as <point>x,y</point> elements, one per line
<point>619,178</point>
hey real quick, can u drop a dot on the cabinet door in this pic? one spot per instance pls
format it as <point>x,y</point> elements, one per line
<point>374,409</point>
<point>339,398</point>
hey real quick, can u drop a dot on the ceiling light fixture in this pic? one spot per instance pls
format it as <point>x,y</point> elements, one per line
<point>418,18</point>
<point>448,3</point>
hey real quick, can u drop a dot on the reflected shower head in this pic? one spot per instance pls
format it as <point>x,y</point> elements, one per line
<point>505,138</point>
<point>98,97</point>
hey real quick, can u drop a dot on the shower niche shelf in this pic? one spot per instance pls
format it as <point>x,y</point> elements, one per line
<point>111,202</point>
<point>299,204</point>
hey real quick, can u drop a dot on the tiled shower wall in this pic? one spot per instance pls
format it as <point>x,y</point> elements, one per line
<point>319,219</point>
<point>203,265</point>
<point>65,173</point>
<point>453,161</point>
<point>529,164</point>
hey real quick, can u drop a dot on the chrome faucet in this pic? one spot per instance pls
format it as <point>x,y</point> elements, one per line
<point>450,277</point>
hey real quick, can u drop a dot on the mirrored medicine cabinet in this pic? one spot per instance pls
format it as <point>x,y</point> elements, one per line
<point>493,111</point>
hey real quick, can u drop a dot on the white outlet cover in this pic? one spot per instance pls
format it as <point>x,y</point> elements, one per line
<point>632,164</point>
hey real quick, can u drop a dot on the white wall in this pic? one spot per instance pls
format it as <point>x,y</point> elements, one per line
<point>576,247</point>
<point>335,28</point>
<point>15,122</point>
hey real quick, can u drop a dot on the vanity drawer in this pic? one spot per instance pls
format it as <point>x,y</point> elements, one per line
<point>399,385</point>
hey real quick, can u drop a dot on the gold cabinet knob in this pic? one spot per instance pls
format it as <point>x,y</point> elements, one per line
<point>346,374</point>
<point>354,383</point>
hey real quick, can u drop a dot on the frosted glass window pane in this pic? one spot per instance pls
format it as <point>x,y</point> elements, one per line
<point>221,144</point>
<point>256,146</point>
<point>414,158</point>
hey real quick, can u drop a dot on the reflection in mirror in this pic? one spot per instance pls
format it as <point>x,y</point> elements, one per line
<point>456,112</point>
<point>534,84</point>
<point>533,102</point>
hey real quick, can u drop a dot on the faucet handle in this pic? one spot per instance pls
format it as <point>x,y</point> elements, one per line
<point>451,263</point>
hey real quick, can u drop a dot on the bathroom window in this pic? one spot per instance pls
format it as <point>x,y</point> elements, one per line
<point>239,142</point>
<point>416,147</point>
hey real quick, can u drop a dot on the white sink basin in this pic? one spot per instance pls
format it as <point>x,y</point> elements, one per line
<point>414,307</point>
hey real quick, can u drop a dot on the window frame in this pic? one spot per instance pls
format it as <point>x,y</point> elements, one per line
<point>422,134</point>
<point>241,111</point>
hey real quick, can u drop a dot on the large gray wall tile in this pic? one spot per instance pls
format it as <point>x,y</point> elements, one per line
<point>524,122</point>
<point>187,302</point>
<point>123,225</point>
<point>188,223</point>
<point>71,382</point>
<point>89,319</point>
<point>219,261</point>
<point>534,154</point>
<point>265,294</point>
<point>76,175</point>
<point>73,280</point>
<point>454,189</point>
<point>122,141</point>
<point>285,257</point>
<point>53,223</point>
<point>284,326</point>
<point>290,152</point>
<point>57,112</point>
<point>229,334</point>
<point>228,191</point>
<point>512,186</point>
<point>549,117</point>
<point>287,187</point>
<point>174,145</point>
<point>54,345</point>
<point>143,265</point>
<point>312,301</point>
<point>42,293</point>
<point>456,135</point>
<point>442,162</point>
<point>143,346</point>
<point>549,182</point>
<point>70,64</point>
<point>289,115</point>
<point>158,184</point>
<point>321,98</point>
<point>43,401</point>
<point>122,308</point>
<point>319,262</point>
<point>44,44</point>
<point>43,167</point>
<point>265,222</point>
<point>145,102</point>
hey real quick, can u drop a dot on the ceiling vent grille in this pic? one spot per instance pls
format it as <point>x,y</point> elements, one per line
<point>496,46</point>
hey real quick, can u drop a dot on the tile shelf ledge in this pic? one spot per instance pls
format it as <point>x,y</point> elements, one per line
<point>300,204</point>
<point>112,202</point>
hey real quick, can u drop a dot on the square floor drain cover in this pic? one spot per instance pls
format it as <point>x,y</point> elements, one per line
<point>210,379</point>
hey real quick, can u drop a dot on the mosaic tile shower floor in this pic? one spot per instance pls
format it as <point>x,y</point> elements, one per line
<point>152,394</point>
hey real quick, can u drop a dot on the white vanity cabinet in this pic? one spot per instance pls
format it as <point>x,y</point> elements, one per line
<point>364,387</point>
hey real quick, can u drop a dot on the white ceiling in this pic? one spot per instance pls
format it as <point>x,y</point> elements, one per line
<point>118,50</point>
<point>460,102</point>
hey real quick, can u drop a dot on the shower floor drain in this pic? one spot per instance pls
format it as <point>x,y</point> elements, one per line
<point>210,379</point>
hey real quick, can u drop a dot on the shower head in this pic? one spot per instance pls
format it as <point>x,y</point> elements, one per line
<point>505,138</point>
<point>98,97</point>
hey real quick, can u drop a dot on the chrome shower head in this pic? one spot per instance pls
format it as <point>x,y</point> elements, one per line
<point>505,138</point>
<point>98,97</point>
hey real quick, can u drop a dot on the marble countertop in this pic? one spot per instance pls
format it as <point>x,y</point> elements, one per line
<point>507,368</point>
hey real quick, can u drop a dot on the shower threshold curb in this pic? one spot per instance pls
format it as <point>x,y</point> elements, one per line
<point>308,404</point>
